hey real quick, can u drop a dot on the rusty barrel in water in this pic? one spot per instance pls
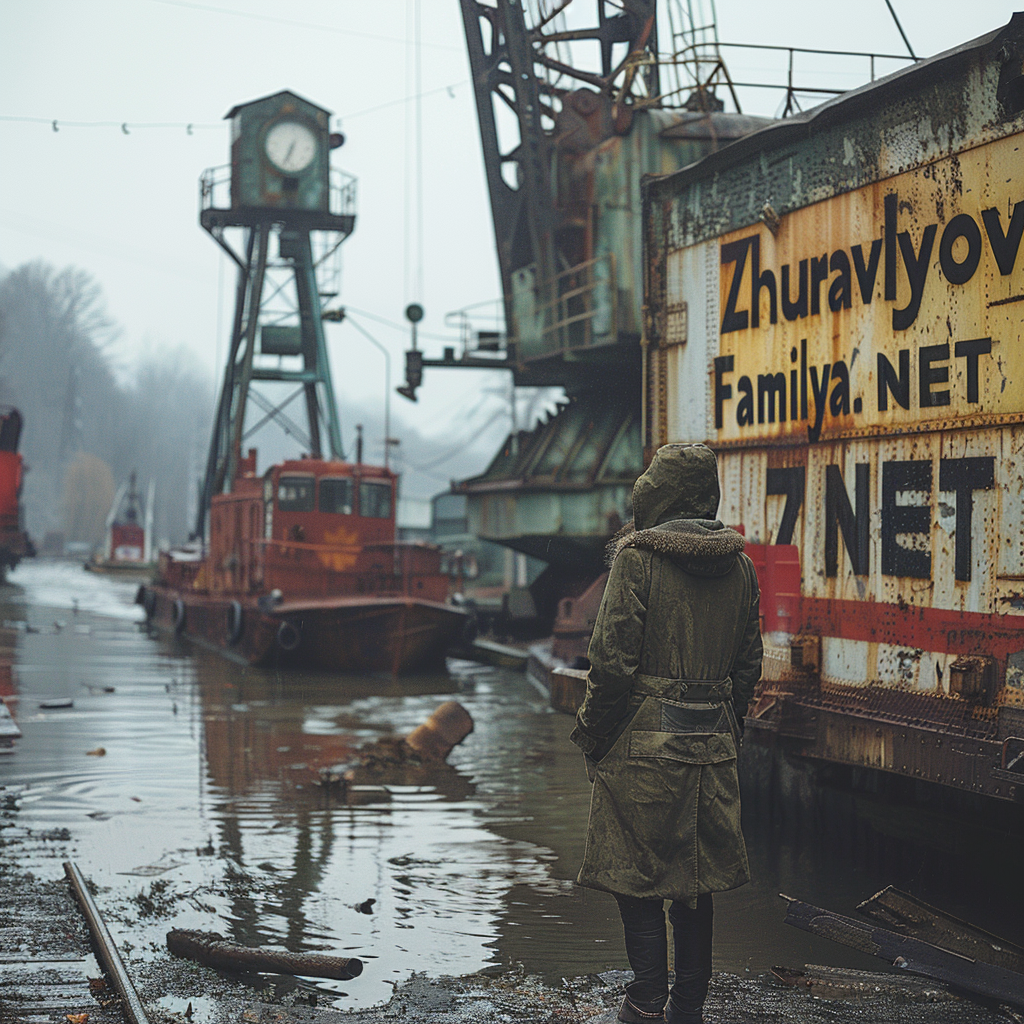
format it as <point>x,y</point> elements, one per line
<point>448,726</point>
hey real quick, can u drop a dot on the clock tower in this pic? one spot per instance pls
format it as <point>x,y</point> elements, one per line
<point>280,212</point>
<point>279,154</point>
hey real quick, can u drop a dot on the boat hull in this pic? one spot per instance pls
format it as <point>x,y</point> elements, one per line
<point>342,634</point>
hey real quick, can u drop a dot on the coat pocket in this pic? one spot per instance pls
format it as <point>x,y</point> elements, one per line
<point>686,748</point>
<point>693,717</point>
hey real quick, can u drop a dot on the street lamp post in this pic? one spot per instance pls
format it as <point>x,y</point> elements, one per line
<point>387,384</point>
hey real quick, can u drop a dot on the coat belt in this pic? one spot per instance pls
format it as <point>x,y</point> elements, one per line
<point>710,690</point>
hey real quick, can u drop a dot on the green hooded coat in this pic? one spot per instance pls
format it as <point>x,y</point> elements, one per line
<point>675,656</point>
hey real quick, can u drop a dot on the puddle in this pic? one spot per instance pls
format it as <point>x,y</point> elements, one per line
<point>204,811</point>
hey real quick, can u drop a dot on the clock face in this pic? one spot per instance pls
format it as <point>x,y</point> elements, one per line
<point>291,146</point>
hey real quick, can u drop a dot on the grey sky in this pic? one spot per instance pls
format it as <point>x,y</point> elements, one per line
<point>124,207</point>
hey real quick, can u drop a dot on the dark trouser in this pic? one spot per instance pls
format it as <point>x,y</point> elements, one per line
<point>643,922</point>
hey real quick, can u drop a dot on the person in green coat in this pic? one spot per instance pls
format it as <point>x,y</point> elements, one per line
<point>675,656</point>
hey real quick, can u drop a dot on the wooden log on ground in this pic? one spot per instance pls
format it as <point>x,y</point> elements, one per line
<point>214,950</point>
<point>843,983</point>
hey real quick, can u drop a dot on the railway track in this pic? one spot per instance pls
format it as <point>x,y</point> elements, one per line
<point>58,960</point>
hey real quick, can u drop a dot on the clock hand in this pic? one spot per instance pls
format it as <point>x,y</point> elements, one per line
<point>288,155</point>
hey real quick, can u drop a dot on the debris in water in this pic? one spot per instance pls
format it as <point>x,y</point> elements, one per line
<point>911,954</point>
<point>55,703</point>
<point>908,915</point>
<point>430,742</point>
<point>366,907</point>
<point>98,752</point>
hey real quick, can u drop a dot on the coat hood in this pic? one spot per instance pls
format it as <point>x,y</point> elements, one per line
<point>680,483</point>
<point>674,506</point>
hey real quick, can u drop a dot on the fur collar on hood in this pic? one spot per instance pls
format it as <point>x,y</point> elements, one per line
<point>703,547</point>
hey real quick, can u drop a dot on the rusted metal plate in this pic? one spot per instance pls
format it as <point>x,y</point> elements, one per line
<point>911,954</point>
<point>905,568</point>
<point>940,740</point>
<point>905,913</point>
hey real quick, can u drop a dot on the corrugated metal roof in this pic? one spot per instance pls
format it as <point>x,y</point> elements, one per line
<point>590,441</point>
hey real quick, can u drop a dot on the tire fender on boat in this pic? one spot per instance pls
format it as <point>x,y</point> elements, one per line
<point>179,615</point>
<point>236,621</point>
<point>146,598</point>
<point>289,636</point>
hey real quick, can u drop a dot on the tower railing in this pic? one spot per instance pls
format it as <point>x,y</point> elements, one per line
<point>215,191</point>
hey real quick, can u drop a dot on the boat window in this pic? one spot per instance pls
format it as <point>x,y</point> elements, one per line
<point>336,495</point>
<point>375,499</point>
<point>295,493</point>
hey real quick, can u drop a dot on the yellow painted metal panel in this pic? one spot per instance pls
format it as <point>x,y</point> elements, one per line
<point>896,307</point>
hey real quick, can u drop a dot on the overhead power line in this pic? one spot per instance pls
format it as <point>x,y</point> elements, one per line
<point>127,127</point>
<point>56,123</point>
<point>297,24</point>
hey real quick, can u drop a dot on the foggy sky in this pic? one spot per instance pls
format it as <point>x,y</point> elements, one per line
<point>124,206</point>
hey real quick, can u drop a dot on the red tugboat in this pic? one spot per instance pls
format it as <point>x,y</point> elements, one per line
<point>299,566</point>
<point>303,569</point>
<point>127,548</point>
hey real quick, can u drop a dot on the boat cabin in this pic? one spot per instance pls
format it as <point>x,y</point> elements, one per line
<point>316,528</point>
<point>328,503</point>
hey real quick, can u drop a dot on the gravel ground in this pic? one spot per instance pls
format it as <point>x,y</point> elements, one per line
<point>181,992</point>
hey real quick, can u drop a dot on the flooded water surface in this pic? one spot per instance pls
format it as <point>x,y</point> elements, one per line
<point>190,789</point>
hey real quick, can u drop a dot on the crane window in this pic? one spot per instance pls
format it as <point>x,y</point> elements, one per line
<point>375,499</point>
<point>295,493</point>
<point>336,495</point>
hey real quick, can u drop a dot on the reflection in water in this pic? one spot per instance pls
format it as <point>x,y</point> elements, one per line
<point>206,804</point>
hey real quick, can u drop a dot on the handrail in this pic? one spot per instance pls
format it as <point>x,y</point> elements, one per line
<point>556,318</point>
<point>306,545</point>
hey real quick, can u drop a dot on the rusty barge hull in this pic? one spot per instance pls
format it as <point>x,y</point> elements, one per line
<point>914,735</point>
<point>391,635</point>
<point>836,305</point>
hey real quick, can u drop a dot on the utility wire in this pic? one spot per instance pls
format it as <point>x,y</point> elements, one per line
<point>406,99</point>
<point>419,149</point>
<point>297,24</point>
<point>458,449</point>
<point>404,328</point>
<point>57,123</point>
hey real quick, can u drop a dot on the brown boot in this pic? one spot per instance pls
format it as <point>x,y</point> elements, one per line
<point>629,1014</point>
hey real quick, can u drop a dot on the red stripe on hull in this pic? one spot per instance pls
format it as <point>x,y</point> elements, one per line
<point>931,629</point>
